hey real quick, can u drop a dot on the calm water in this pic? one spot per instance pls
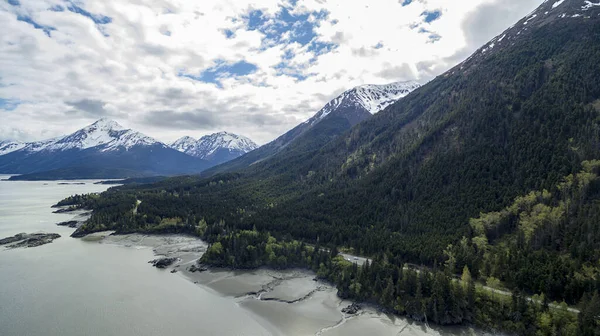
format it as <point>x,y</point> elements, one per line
<point>73,287</point>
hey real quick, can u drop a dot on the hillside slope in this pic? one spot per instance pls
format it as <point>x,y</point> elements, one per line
<point>517,117</point>
<point>336,117</point>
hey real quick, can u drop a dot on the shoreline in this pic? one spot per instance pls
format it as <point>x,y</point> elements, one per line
<point>285,302</point>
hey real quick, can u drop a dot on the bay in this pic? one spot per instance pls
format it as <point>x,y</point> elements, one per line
<point>74,287</point>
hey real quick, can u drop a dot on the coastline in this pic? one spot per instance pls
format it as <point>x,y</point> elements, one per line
<point>285,302</point>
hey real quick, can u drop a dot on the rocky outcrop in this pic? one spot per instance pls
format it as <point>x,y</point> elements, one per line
<point>66,210</point>
<point>352,309</point>
<point>197,268</point>
<point>162,262</point>
<point>29,239</point>
<point>71,224</point>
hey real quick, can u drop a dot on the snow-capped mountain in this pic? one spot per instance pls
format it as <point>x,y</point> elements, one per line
<point>10,146</point>
<point>217,147</point>
<point>209,145</point>
<point>104,134</point>
<point>371,98</point>
<point>185,144</point>
<point>336,117</point>
<point>104,146</point>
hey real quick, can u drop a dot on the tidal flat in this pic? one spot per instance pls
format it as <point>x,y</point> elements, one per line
<point>285,302</point>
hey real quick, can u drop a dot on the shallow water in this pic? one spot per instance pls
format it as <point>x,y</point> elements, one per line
<point>74,287</point>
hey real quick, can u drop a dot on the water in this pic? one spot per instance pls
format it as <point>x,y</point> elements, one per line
<point>74,287</point>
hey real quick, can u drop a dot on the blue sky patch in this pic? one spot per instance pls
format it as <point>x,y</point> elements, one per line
<point>223,70</point>
<point>432,36</point>
<point>299,27</point>
<point>228,33</point>
<point>27,19</point>
<point>14,2</point>
<point>321,47</point>
<point>407,2</point>
<point>283,69</point>
<point>9,104</point>
<point>431,16</point>
<point>97,18</point>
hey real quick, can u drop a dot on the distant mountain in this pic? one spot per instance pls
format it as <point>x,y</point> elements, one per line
<point>100,148</point>
<point>215,148</point>
<point>369,98</point>
<point>185,144</point>
<point>336,117</point>
<point>10,146</point>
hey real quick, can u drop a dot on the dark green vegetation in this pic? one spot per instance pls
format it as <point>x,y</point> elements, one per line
<point>432,296</point>
<point>489,166</point>
<point>544,242</point>
<point>303,138</point>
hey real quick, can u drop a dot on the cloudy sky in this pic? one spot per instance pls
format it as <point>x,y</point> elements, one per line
<point>171,68</point>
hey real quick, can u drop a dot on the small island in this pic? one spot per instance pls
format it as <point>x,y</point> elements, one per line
<point>29,240</point>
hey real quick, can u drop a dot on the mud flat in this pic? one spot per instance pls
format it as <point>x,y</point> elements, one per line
<point>288,302</point>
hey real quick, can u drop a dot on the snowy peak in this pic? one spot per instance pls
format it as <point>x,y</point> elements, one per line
<point>210,145</point>
<point>10,146</point>
<point>184,144</point>
<point>106,125</point>
<point>375,98</point>
<point>104,134</point>
<point>371,98</point>
<point>223,140</point>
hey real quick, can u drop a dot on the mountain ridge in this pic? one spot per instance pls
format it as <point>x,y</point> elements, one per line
<point>100,149</point>
<point>338,115</point>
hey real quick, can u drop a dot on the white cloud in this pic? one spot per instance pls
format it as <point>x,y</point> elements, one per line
<point>129,69</point>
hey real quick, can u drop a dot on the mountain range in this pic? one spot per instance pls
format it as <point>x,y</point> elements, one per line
<point>105,149</point>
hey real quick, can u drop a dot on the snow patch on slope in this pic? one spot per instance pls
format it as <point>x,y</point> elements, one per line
<point>589,4</point>
<point>558,3</point>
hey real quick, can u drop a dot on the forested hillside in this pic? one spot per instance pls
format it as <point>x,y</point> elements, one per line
<point>490,166</point>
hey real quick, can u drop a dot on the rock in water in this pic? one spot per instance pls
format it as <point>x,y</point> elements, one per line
<point>29,239</point>
<point>162,262</point>
<point>65,210</point>
<point>71,224</point>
